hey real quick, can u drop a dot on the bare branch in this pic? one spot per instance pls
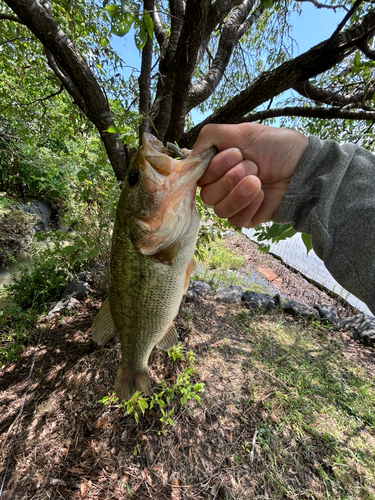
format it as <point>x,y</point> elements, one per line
<point>319,5</point>
<point>234,28</point>
<point>367,50</point>
<point>144,79</point>
<point>271,83</point>
<point>348,15</point>
<point>9,17</point>
<point>66,81</point>
<point>217,13</point>
<point>160,34</point>
<point>14,40</point>
<point>161,110</point>
<point>333,98</point>
<point>185,63</point>
<point>70,61</point>
<point>325,113</point>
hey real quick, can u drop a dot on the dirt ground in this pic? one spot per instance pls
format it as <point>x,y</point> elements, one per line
<point>67,445</point>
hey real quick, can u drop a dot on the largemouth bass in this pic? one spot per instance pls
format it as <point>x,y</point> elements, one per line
<point>153,244</point>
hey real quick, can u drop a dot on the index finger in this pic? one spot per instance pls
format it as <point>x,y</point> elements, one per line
<point>212,135</point>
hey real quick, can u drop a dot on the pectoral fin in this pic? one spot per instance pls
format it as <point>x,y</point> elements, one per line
<point>103,328</point>
<point>169,339</point>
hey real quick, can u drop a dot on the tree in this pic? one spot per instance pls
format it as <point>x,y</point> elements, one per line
<point>233,57</point>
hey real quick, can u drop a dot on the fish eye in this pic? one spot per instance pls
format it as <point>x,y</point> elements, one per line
<point>133,178</point>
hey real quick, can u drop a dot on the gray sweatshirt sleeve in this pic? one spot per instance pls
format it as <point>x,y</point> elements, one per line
<point>332,198</point>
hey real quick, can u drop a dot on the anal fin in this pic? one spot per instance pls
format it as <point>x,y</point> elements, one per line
<point>127,382</point>
<point>103,328</point>
<point>169,339</point>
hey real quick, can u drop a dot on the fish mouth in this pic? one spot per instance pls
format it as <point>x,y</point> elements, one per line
<point>169,173</point>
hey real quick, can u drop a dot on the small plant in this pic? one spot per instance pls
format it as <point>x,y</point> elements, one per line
<point>16,329</point>
<point>180,393</point>
<point>41,282</point>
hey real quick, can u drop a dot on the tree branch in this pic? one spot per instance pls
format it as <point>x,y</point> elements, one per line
<point>15,39</point>
<point>185,61</point>
<point>71,62</point>
<point>325,113</point>
<point>161,110</point>
<point>234,28</point>
<point>219,10</point>
<point>367,50</point>
<point>66,81</point>
<point>348,15</point>
<point>9,17</point>
<point>333,98</point>
<point>271,83</point>
<point>160,34</point>
<point>41,99</point>
<point>144,79</point>
<point>319,5</point>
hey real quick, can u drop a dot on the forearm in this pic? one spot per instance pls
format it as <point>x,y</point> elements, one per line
<point>332,197</point>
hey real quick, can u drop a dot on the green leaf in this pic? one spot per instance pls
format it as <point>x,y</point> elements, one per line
<point>124,25</point>
<point>198,387</point>
<point>68,250</point>
<point>276,232</point>
<point>140,37</point>
<point>148,23</point>
<point>130,7</point>
<point>82,175</point>
<point>306,238</point>
<point>357,62</point>
<point>113,11</point>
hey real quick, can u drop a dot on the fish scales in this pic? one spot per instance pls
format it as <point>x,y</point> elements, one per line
<point>153,245</point>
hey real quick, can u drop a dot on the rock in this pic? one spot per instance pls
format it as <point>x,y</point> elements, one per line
<point>363,328</point>
<point>197,290</point>
<point>328,313</point>
<point>42,213</point>
<point>298,309</point>
<point>229,294</point>
<point>277,300</point>
<point>57,482</point>
<point>86,277</point>
<point>77,289</point>
<point>67,304</point>
<point>255,300</point>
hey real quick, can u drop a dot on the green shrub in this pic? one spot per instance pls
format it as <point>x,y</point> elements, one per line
<point>42,280</point>
<point>17,327</point>
<point>166,399</point>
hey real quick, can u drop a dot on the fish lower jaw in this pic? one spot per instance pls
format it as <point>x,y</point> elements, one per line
<point>128,382</point>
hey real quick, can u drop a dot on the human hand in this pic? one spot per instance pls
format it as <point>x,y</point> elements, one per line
<point>247,179</point>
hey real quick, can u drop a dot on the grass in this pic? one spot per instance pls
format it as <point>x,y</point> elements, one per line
<point>316,433</point>
<point>221,267</point>
<point>17,327</point>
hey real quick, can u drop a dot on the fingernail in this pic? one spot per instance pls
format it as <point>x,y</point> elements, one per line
<point>234,157</point>
<point>247,189</point>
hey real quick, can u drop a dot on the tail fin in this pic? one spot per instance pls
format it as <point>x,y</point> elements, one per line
<point>128,382</point>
